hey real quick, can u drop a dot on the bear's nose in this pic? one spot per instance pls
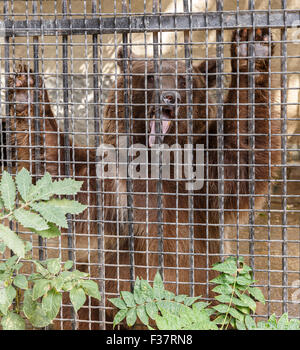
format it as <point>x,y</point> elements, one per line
<point>170,97</point>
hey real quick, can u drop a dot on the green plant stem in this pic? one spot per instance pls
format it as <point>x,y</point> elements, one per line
<point>24,205</point>
<point>230,302</point>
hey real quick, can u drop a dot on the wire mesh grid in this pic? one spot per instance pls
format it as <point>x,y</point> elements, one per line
<point>187,153</point>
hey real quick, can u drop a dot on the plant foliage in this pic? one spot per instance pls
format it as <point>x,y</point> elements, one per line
<point>37,297</point>
<point>236,299</point>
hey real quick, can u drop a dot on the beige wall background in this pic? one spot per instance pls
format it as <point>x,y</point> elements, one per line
<point>268,233</point>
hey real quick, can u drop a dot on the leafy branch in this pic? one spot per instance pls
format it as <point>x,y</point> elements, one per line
<point>37,296</point>
<point>236,302</point>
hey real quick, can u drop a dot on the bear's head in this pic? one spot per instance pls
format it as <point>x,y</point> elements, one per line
<point>156,99</point>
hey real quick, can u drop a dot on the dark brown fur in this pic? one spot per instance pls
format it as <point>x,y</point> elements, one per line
<point>176,242</point>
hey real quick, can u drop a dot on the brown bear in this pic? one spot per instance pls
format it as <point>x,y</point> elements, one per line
<point>149,227</point>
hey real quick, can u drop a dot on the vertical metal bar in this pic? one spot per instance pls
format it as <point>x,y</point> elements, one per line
<point>177,182</point>
<point>238,143</point>
<point>98,184</point>
<point>220,125</point>
<point>189,99</point>
<point>270,173</point>
<point>66,117</point>
<point>157,83</point>
<point>67,157</point>
<point>37,116</point>
<point>284,156</point>
<point>207,266</point>
<point>251,132</point>
<point>7,70</point>
<point>129,141</point>
<point>147,136</point>
<point>7,112</point>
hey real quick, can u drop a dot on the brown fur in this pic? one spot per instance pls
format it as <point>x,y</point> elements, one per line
<point>176,231</point>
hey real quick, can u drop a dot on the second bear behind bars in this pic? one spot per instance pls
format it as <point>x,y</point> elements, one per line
<point>143,241</point>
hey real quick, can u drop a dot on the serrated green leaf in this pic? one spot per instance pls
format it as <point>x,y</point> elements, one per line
<point>68,265</point>
<point>29,219</point>
<point>228,267</point>
<point>228,299</point>
<point>91,288</point>
<point>180,298</point>
<point>40,269</point>
<point>163,323</point>
<point>283,322</point>
<point>52,232</point>
<point>158,287</point>
<point>294,324</point>
<point>248,301</point>
<point>39,317</point>
<point>223,289</point>
<point>77,297</point>
<point>12,241</point>
<point>51,213</point>
<point>190,300</point>
<point>244,280</point>
<point>128,298</point>
<point>152,310</point>
<point>236,314</point>
<point>249,322</point>
<point>240,325</point>
<point>8,190</point>
<point>119,317</point>
<point>68,206</point>
<point>53,265</point>
<point>245,269</point>
<point>200,305</point>
<point>11,293</point>
<point>119,303</point>
<point>29,305</point>
<point>51,303</point>
<point>173,308</point>
<point>10,262</point>
<point>55,210</point>
<point>221,308</point>
<point>137,293</point>
<point>245,310</point>
<point>66,187</point>
<point>40,288</point>
<point>147,291</point>
<point>169,295</point>
<point>12,321</point>
<point>131,317</point>
<point>24,182</point>
<point>42,190</point>
<point>142,314</point>
<point>5,300</point>
<point>257,294</point>
<point>57,283</point>
<point>222,319</point>
<point>20,281</point>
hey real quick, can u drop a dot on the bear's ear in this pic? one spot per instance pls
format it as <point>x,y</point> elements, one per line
<point>122,59</point>
<point>208,67</point>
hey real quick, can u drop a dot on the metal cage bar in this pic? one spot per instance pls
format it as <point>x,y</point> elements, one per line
<point>153,23</point>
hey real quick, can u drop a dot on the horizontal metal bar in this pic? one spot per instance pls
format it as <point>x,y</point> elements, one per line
<point>153,23</point>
